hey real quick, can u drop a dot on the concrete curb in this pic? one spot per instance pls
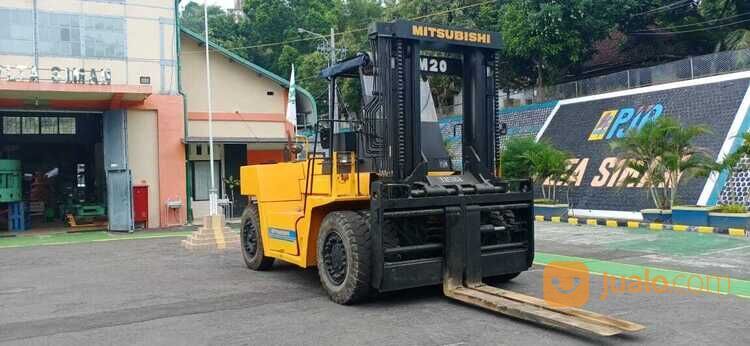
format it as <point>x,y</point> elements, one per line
<point>734,232</point>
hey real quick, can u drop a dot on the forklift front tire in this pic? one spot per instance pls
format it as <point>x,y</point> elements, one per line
<point>252,242</point>
<point>344,257</point>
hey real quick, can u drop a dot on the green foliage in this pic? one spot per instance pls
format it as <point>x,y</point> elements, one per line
<point>514,163</point>
<point>661,155</point>
<point>733,208</point>
<point>555,35</point>
<point>547,41</point>
<point>523,157</point>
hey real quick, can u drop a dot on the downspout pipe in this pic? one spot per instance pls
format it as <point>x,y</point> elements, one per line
<point>188,178</point>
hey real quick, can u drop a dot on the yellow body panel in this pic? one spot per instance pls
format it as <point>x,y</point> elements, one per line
<point>289,225</point>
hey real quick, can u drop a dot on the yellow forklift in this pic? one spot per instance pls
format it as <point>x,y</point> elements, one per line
<point>380,209</point>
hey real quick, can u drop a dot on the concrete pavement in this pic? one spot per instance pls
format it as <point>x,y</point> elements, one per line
<point>153,292</point>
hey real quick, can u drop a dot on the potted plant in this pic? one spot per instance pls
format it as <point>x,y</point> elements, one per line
<point>662,155</point>
<point>691,215</point>
<point>732,215</point>
<point>547,167</point>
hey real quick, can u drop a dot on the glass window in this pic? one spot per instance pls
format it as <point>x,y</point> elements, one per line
<point>11,125</point>
<point>16,32</point>
<point>48,125</point>
<point>75,36</point>
<point>56,34</point>
<point>104,37</point>
<point>67,126</point>
<point>30,125</point>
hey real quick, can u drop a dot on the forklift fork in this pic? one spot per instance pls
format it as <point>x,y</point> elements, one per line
<point>462,281</point>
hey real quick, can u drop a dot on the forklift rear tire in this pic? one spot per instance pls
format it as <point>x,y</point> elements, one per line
<point>252,242</point>
<point>345,257</point>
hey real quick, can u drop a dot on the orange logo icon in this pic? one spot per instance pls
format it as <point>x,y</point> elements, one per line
<point>566,284</point>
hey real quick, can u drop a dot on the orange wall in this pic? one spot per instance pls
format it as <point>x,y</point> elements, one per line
<point>172,175</point>
<point>255,157</point>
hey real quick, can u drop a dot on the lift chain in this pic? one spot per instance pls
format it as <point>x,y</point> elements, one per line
<point>401,99</point>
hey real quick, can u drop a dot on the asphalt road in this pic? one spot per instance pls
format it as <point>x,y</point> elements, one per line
<point>153,292</point>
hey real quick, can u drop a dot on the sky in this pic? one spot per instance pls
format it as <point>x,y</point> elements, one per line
<point>222,3</point>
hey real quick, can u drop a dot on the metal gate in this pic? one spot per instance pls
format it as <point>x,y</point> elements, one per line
<point>119,183</point>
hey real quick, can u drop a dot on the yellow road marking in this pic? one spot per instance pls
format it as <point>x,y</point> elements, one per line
<point>655,226</point>
<point>634,224</point>
<point>555,219</point>
<point>591,222</point>
<point>705,229</point>
<point>611,223</point>
<point>539,217</point>
<point>573,220</point>
<point>679,228</point>
<point>737,232</point>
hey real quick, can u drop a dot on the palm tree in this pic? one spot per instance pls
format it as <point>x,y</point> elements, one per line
<point>523,157</point>
<point>662,155</point>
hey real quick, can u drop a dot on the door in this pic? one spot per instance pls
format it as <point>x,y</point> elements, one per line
<point>235,156</point>
<point>119,182</point>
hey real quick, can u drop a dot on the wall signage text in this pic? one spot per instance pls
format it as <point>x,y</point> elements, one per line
<point>56,74</point>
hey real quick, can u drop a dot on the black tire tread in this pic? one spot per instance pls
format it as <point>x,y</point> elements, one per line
<point>260,262</point>
<point>353,227</point>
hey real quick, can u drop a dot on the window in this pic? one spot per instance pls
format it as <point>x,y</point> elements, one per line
<point>11,125</point>
<point>30,125</point>
<point>48,125</point>
<point>67,126</point>
<point>202,179</point>
<point>104,37</point>
<point>71,35</point>
<point>16,32</point>
<point>59,34</point>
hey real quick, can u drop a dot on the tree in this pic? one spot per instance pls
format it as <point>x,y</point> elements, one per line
<point>524,157</point>
<point>556,35</point>
<point>662,155</point>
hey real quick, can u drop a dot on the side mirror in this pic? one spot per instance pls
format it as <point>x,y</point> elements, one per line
<point>325,137</point>
<point>503,129</point>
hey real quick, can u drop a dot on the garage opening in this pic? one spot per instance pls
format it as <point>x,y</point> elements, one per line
<point>54,167</point>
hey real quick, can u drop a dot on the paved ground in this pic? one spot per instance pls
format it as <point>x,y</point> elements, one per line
<point>151,291</point>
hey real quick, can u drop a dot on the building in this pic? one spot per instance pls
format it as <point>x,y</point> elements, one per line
<point>93,103</point>
<point>249,107</point>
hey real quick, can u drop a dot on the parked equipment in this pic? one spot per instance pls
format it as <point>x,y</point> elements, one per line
<point>377,212</point>
<point>10,181</point>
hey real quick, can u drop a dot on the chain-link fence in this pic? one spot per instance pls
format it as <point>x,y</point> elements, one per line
<point>689,68</point>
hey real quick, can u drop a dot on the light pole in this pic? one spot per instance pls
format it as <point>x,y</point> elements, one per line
<point>213,199</point>
<point>331,43</point>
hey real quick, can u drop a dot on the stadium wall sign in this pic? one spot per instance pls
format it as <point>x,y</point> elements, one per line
<point>585,127</point>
